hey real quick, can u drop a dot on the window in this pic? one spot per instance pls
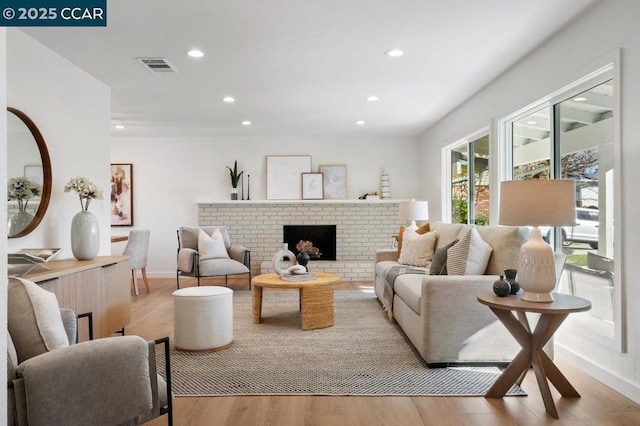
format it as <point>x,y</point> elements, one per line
<point>570,135</point>
<point>468,185</point>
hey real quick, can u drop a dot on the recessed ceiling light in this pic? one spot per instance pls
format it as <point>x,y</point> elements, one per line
<point>532,122</point>
<point>580,99</point>
<point>119,126</point>
<point>195,53</point>
<point>394,53</point>
<point>360,122</point>
<point>246,123</point>
<point>229,99</point>
<point>372,98</point>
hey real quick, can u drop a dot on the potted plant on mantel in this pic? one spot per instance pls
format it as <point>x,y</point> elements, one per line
<point>235,178</point>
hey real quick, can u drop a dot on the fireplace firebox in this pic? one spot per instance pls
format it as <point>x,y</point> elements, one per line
<point>322,236</point>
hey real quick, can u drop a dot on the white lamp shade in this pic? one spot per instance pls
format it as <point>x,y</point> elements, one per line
<point>414,210</point>
<point>538,202</point>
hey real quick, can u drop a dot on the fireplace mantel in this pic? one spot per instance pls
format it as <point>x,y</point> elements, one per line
<point>363,226</point>
<point>331,201</point>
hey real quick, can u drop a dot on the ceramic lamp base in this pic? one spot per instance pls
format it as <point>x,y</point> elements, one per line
<point>536,269</point>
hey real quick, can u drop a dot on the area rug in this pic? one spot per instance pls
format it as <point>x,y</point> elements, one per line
<point>362,354</point>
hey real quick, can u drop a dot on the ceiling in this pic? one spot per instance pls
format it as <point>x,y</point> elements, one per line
<point>302,67</point>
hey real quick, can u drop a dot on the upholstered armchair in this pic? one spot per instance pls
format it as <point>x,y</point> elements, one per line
<point>207,251</point>
<point>52,380</point>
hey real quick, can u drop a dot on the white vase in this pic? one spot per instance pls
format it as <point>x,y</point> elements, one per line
<point>19,221</point>
<point>85,235</point>
<point>285,252</point>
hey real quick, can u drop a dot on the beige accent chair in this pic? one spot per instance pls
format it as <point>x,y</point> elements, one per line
<point>191,264</point>
<point>137,249</point>
<point>52,380</point>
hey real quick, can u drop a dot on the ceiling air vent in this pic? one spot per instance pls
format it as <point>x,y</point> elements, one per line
<point>157,65</point>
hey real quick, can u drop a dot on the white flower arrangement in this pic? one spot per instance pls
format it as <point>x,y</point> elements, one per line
<point>85,189</point>
<point>22,190</point>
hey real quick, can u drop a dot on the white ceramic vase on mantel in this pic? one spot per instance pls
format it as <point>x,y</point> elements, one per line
<point>85,235</point>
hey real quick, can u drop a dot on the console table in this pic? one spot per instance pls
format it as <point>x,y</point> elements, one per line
<point>101,286</point>
<point>511,311</point>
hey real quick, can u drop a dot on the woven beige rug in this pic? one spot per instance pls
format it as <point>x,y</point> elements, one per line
<point>362,354</point>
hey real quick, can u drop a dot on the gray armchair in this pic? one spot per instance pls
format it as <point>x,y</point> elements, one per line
<point>52,380</point>
<point>190,262</point>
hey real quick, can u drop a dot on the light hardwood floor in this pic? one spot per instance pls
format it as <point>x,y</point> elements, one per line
<point>152,317</point>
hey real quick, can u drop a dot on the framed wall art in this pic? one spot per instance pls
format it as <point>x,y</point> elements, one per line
<point>312,186</point>
<point>122,194</point>
<point>335,180</point>
<point>283,176</point>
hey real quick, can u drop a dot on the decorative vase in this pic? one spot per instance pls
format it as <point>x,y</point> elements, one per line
<point>303,259</point>
<point>281,254</point>
<point>18,222</point>
<point>234,193</point>
<point>501,287</point>
<point>85,235</point>
<point>510,277</point>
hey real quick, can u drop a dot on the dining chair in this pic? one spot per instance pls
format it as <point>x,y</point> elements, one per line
<point>137,249</point>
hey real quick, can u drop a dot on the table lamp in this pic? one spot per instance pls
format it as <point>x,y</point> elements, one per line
<point>532,203</point>
<point>413,210</point>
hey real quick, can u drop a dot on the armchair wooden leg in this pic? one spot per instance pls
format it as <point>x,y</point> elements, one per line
<point>144,278</point>
<point>135,282</point>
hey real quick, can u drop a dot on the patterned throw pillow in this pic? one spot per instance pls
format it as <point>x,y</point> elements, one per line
<point>469,256</point>
<point>422,230</point>
<point>417,249</point>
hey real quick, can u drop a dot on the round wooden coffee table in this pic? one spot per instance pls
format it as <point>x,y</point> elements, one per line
<point>316,297</point>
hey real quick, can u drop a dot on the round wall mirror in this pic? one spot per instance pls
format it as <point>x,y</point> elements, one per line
<point>28,174</point>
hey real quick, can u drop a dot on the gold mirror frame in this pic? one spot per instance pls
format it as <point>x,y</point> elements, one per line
<point>46,169</point>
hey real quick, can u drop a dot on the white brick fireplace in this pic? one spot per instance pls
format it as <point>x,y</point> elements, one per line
<point>362,227</point>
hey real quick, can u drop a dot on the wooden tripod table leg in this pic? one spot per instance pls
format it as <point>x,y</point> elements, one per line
<point>257,303</point>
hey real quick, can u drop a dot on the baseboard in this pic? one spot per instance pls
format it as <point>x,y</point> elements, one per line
<point>629,389</point>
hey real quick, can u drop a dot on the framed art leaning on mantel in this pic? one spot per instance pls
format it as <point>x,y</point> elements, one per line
<point>284,172</point>
<point>312,186</point>
<point>335,180</point>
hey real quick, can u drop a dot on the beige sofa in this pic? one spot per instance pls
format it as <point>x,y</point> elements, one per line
<point>440,313</point>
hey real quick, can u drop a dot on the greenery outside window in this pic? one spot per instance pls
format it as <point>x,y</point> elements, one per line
<point>468,183</point>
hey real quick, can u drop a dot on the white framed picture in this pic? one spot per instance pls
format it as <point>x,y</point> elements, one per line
<point>283,176</point>
<point>312,186</point>
<point>335,180</point>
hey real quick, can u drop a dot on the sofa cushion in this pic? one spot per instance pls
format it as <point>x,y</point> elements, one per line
<point>33,319</point>
<point>506,242</point>
<point>408,287</point>
<point>418,249</point>
<point>447,232</point>
<point>421,230</point>
<point>211,247</point>
<point>439,261</point>
<point>470,255</point>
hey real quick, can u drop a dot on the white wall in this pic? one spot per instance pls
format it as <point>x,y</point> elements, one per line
<point>578,50</point>
<point>171,174</point>
<point>72,110</point>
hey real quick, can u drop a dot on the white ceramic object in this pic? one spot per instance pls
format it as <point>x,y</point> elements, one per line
<point>85,235</point>
<point>285,252</point>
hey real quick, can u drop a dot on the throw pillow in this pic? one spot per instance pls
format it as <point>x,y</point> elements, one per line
<point>417,249</point>
<point>469,256</point>
<point>439,262</point>
<point>211,247</point>
<point>33,319</point>
<point>421,230</point>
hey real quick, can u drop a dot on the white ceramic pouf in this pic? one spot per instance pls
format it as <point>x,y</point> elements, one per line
<point>203,318</point>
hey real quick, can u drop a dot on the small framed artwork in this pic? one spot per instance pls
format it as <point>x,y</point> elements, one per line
<point>122,194</point>
<point>312,186</point>
<point>335,180</point>
<point>283,176</point>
